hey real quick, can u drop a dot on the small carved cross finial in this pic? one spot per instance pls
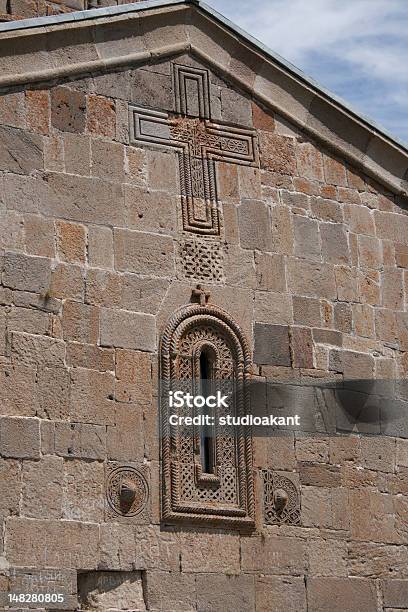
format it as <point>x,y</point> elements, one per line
<point>200,295</point>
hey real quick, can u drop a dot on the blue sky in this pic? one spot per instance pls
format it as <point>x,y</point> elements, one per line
<point>358,49</point>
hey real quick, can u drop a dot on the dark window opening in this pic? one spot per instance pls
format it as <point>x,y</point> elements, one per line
<point>207,446</point>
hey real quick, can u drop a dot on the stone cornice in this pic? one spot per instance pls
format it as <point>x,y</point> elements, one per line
<point>67,46</point>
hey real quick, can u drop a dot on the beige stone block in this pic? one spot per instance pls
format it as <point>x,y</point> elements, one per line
<point>38,110</point>
<point>352,364</point>
<point>275,308</point>
<point>334,171</point>
<point>100,246</point>
<point>370,252</point>
<point>101,116</point>
<point>360,220</point>
<point>392,289</point>
<point>313,449</point>
<point>21,152</point>
<point>18,390</point>
<point>39,351</point>
<point>92,396</point>
<point>67,282</point>
<point>379,453</point>
<point>316,507</point>
<point>171,591</point>
<point>88,355</point>
<point>10,478</point>
<point>143,253</point>
<point>327,557</point>
<point>344,449</point>
<point>12,104</point>
<point>20,437</point>
<point>124,329</point>
<point>309,161</point>
<point>54,393</point>
<point>54,154</point>
<point>335,248</point>
<point>42,488</point>
<point>80,322</point>
<point>71,242</point>
<point>77,154</point>
<point>277,153</point>
<point>363,320</point>
<point>402,453</point>
<point>26,273</point>
<point>346,283</point>
<point>311,279</point>
<point>135,165</point>
<point>326,210</point>
<point>102,590</point>
<point>125,439</point>
<point>222,593</point>
<point>391,226</point>
<point>254,225</point>
<point>395,593</point>
<point>83,491</point>
<point>148,210</point>
<point>134,370</point>
<point>210,552</point>
<point>341,594</point>
<point>319,475</point>
<point>306,311</point>
<point>378,560</point>
<point>286,594</point>
<point>239,267</point>
<point>70,544</point>
<point>301,347</point>
<point>108,160</point>
<point>307,240</point>
<point>283,238</point>
<point>147,548</point>
<point>162,171</point>
<point>273,555</point>
<point>39,236</point>
<point>379,507</point>
<point>29,321</point>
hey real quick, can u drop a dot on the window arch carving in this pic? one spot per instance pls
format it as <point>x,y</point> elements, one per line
<point>211,483</point>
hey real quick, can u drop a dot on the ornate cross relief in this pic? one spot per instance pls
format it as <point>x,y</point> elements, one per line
<point>199,141</point>
<point>206,479</point>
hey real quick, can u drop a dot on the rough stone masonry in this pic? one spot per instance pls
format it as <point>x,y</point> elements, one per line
<point>145,150</point>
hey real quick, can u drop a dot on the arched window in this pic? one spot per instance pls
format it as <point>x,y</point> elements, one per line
<point>206,469</point>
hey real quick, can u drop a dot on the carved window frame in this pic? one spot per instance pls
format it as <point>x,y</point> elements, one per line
<point>237,511</point>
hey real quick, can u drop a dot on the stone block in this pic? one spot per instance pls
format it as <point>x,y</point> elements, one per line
<point>274,555</point>
<point>100,246</point>
<point>334,171</point>
<point>37,103</point>
<point>254,225</point>
<point>42,488</point>
<point>327,557</point>
<point>311,279</point>
<point>149,210</point>
<point>10,478</point>
<point>342,317</point>
<point>272,344</point>
<point>18,390</point>
<point>26,273</point>
<point>134,375</point>
<point>262,118</point>
<point>68,109</point>
<point>341,594</point>
<point>282,230</point>
<point>54,153</point>
<point>12,104</point>
<point>395,593</point>
<point>360,220</point>
<point>319,475</point>
<point>270,272</point>
<point>391,226</point>
<point>210,553</point>
<point>277,153</point>
<point>317,507</point>
<point>108,160</point>
<point>20,151</point>
<point>80,322</point>
<point>70,544</point>
<point>392,289</point>
<point>39,236</point>
<point>369,287</point>
<point>83,493</point>
<point>12,230</point>
<point>306,311</point>
<point>20,437</point>
<point>301,343</point>
<point>327,336</point>
<point>38,351</point>
<point>67,282</point>
<point>307,242</point>
<point>80,440</point>
<point>222,593</point>
<point>101,116</point>
<point>379,453</point>
<point>335,248</point>
<point>92,396</point>
<point>352,364</point>
<point>363,319</point>
<point>274,308</point>
<point>309,161</point>
<point>312,449</point>
<point>377,560</point>
<point>347,283</point>
<point>326,210</point>
<point>370,252</point>
<point>281,594</point>
<point>144,253</point>
<point>91,356</point>
<point>54,390</point>
<point>123,329</point>
<point>102,590</point>
<point>296,201</point>
<point>77,154</point>
<point>239,269</point>
<point>125,439</point>
<point>71,242</point>
<point>170,591</point>
<point>381,526</point>
<point>162,171</point>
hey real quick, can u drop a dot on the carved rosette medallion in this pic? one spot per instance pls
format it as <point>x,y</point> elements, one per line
<point>281,501</point>
<point>127,491</point>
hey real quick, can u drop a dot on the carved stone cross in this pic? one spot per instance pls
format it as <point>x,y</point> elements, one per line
<point>200,295</point>
<point>199,142</point>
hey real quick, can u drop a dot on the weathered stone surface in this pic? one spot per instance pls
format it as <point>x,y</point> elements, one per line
<point>273,308</point>
<point>221,593</point>
<point>309,161</point>
<point>18,390</point>
<point>71,242</point>
<point>20,151</point>
<point>83,495</point>
<point>68,108</point>
<point>125,439</point>
<point>277,153</point>
<point>341,594</point>
<point>42,488</point>
<point>100,246</point>
<point>311,279</point>
<point>20,437</point>
<point>99,591</point>
<point>26,273</point>
<point>41,351</point>
<point>123,329</point>
<point>101,116</point>
<point>54,393</point>
<point>80,440</point>
<point>274,555</point>
<point>210,552</point>
<point>254,225</point>
<point>286,594</point>
<point>335,247</point>
<point>39,236</point>
<point>70,544</point>
<point>302,347</point>
<point>143,253</point>
<point>395,593</point>
<point>10,475</point>
<point>77,154</point>
<point>377,560</point>
<point>92,396</point>
<point>307,243</point>
<point>80,322</point>
<point>171,591</point>
<point>272,344</point>
<point>328,557</point>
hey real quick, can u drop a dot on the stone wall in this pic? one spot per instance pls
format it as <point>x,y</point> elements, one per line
<point>313,267</point>
<point>11,10</point>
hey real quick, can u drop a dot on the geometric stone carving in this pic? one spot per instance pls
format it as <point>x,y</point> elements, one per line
<point>127,490</point>
<point>224,497</point>
<point>199,143</point>
<point>201,260</point>
<point>280,499</point>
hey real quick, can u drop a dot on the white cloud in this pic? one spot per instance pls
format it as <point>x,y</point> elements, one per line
<point>355,47</point>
